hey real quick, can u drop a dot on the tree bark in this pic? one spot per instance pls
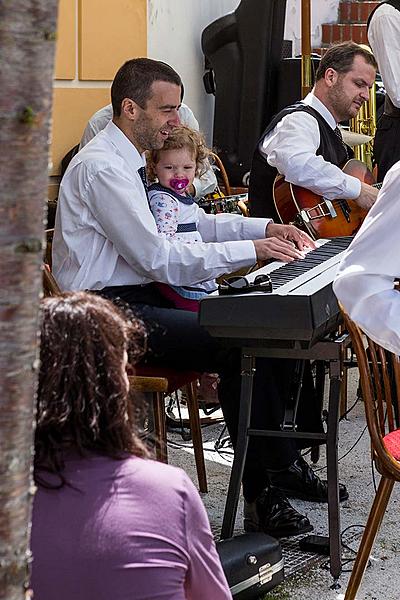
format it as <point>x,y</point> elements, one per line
<point>27,48</point>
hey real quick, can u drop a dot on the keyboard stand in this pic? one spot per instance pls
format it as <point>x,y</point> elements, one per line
<point>327,350</point>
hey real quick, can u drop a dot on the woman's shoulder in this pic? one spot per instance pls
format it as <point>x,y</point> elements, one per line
<point>157,474</point>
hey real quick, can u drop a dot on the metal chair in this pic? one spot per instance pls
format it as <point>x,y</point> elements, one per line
<point>380,385</point>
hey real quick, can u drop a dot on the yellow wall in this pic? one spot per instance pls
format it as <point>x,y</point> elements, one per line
<point>94,38</point>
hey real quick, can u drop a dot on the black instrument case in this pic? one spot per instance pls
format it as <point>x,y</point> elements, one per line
<point>252,564</point>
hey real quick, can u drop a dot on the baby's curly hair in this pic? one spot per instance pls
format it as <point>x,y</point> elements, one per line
<point>181,137</point>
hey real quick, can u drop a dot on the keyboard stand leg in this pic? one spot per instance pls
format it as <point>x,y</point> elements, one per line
<point>319,390</point>
<point>232,500</point>
<point>292,403</point>
<point>332,469</point>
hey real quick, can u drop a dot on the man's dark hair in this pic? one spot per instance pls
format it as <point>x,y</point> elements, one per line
<point>135,78</point>
<point>340,57</point>
<point>82,402</point>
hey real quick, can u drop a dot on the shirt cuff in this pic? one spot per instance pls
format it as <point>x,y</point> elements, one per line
<point>353,187</point>
<point>255,228</point>
<point>241,253</point>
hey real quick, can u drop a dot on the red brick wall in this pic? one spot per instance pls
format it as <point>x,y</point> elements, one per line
<point>351,25</point>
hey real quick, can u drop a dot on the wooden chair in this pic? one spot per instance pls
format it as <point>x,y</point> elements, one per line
<point>159,381</point>
<point>380,385</point>
<point>227,188</point>
<point>50,285</point>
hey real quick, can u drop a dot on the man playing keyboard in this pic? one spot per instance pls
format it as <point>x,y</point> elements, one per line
<point>106,241</point>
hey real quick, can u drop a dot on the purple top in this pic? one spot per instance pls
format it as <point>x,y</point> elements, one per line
<point>128,529</point>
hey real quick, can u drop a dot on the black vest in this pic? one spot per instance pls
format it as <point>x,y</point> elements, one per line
<point>389,108</point>
<point>262,175</point>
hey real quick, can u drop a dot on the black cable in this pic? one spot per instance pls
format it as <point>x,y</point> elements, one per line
<point>344,415</point>
<point>346,453</point>
<point>326,564</point>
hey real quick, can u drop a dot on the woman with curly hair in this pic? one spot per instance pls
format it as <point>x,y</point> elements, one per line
<point>108,522</point>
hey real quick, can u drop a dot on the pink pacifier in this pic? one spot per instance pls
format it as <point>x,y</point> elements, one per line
<point>179,184</point>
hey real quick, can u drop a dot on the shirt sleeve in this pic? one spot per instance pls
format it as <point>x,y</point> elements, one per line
<point>225,226</point>
<point>205,577</point>
<point>87,135</point>
<point>187,117</point>
<point>384,37</point>
<point>165,211</point>
<point>365,280</point>
<point>123,218</point>
<point>291,148</point>
<point>205,184</point>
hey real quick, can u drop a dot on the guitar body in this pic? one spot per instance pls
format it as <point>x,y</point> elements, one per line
<point>316,215</point>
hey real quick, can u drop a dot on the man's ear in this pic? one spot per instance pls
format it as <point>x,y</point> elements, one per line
<point>129,109</point>
<point>331,77</point>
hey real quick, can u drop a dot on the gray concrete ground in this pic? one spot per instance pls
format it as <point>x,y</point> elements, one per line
<point>382,579</point>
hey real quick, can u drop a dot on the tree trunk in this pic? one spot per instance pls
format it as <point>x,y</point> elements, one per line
<point>27,48</point>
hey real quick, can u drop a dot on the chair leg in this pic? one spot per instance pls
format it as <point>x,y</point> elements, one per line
<point>195,427</point>
<point>371,529</point>
<point>160,427</point>
<point>343,393</point>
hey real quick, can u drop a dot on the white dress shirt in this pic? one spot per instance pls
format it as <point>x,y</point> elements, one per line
<point>203,185</point>
<point>291,148</point>
<point>105,234</point>
<point>384,39</point>
<point>364,284</point>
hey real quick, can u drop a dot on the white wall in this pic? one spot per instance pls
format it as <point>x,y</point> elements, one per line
<point>322,11</point>
<point>174,34</point>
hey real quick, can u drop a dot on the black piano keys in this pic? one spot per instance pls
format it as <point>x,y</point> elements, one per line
<point>290,271</point>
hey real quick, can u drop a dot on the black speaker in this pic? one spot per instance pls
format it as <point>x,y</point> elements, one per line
<point>243,52</point>
<point>289,80</point>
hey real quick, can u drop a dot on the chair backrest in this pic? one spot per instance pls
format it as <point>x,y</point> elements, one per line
<point>380,386</point>
<point>224,175</point>
<point>50,285</point>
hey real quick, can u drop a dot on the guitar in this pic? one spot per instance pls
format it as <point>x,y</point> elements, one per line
<point>317,215</point>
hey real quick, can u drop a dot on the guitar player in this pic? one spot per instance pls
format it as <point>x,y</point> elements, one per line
<point>303,142</point>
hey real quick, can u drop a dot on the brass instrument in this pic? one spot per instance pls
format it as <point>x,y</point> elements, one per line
<point>365,124</point>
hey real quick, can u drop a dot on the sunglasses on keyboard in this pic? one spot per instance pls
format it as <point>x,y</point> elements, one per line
<point>241,285</point>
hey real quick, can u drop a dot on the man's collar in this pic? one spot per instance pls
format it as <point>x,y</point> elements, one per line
<point>125,146</point>
<point>312,100</point>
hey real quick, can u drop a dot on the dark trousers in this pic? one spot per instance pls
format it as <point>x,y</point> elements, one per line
<point>386,144</point>
<point>177,340</point>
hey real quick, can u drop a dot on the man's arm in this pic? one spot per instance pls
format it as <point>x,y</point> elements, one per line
<point>271,240</point>
<point>291,148</point>
<point>384,38</point>
<point>123,217</point>
<point>365,281</point>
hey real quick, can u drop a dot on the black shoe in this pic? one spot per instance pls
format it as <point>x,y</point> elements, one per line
<point>272,513</point>
<point>300,481</point>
